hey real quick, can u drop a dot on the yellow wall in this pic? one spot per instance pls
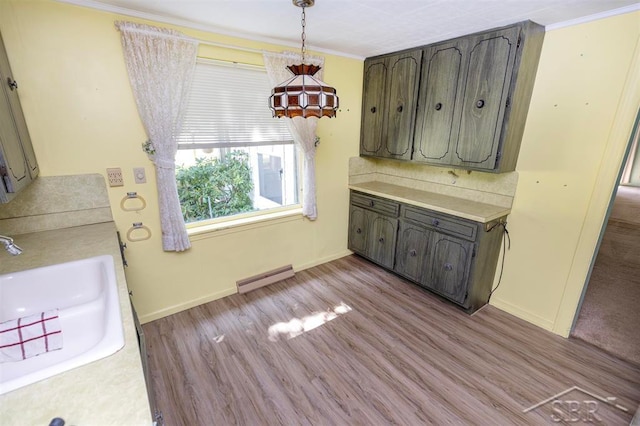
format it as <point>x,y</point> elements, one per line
<point>82,118</point>
<point>584,103</point>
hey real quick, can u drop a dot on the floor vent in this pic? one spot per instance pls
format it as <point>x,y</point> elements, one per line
<point>248,284</point>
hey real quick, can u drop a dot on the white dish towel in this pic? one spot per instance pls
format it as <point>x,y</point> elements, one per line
<point>26,337</point>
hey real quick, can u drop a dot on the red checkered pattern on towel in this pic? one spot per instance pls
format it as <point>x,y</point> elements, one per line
<point>26,337</point>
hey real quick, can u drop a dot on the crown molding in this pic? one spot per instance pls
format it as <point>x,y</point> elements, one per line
<point>594,17</point>
<point>195,26</point>
<point>212,29</point>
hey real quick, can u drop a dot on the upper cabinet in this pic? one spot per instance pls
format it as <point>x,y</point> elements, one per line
<point>474,94</point>
<point>442,83</point>
<point>389,105</point>
<point>18,165</point>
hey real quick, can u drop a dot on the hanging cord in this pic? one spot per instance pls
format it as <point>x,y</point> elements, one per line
<point>304,35</point>
<point>505,247</point>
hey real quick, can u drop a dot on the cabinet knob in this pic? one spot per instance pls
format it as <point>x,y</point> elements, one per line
<point>435,222</point>
<point>438,106</point>
<point>399,109</point>
<point>12,83</point>
<point>371,203</point>
<point>479,103</point>
<point>373,110</point>
<point>381,239</point>
<point>358,231</point>
<point>448,267</point>
<point>412,253</point>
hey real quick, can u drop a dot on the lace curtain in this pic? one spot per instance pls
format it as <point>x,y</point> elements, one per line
<point>160,63</point>
<point>303,130</point>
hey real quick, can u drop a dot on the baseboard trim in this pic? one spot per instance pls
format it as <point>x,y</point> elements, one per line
<point>320,261</point>
<point>186,305</point>
<point>523,314</point>
<point>161,313</point>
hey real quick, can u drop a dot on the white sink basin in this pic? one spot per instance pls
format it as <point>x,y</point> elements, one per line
<point>86,294</point>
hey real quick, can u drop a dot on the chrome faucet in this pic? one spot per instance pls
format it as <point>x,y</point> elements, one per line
<point>9,246</point>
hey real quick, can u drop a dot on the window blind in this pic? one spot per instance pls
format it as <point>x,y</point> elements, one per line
<point>229,107</point>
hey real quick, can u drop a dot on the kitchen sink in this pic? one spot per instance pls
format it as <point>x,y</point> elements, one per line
<point>86,294</point>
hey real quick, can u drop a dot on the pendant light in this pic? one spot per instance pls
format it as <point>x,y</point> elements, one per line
<point>303,95</point>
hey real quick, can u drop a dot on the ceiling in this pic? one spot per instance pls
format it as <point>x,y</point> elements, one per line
<point>357,28</point>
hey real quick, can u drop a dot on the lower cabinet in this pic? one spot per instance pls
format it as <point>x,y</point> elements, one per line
<point>451,256</point>
<point>411,251</point>
<point>373,235</point>
<point>449,264</point>
<point>156,414</point>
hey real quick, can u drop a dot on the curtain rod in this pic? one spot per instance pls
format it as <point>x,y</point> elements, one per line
<point>197,40</point>
<point>229,46</point>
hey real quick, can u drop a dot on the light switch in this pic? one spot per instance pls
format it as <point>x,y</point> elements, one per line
<point>139,175</point>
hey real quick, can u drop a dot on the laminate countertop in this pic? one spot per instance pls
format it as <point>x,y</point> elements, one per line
<point>472,210</point>
<point>110,391</point>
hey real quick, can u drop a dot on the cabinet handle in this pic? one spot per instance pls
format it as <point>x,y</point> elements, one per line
<point>381,239</point>
<point>12,84</point>
<point>8,186</point>
<point>435,222</point>
<point>438,106</point>
<point>399,109</point>
<point>479,103</point>
<point>412,253</point>
<point>371,203</point>
<point>373,109</point>
<point>358,231</point>
<point>448,267</point>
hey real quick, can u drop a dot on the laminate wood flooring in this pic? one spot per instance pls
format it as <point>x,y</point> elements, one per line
<point>348,343</point>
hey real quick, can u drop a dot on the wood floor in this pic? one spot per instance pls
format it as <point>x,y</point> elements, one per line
<point>348,343</point>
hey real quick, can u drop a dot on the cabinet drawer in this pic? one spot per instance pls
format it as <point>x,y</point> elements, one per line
<point>376,204</point>
<point>458,227</point>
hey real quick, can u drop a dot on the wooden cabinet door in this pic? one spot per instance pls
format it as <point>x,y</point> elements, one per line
<point>15,172</point>
<point>13,167</point>
<point>381,244</point>
<point>23,132</point>
<point>18,165</point>
<point>442,78</point>
<point>402,94</point>
<point>373,106</point>
<point>448,269</point>
<point>491,57</point>
<point>411,251</point>
<point>358,230</point>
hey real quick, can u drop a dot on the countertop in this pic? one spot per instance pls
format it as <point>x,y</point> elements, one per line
<point>110,391</point>
<point>472,210</point>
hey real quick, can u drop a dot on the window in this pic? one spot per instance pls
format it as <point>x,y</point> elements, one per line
<point>233,156</point>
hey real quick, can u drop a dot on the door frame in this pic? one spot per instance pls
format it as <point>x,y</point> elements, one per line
<point>635,134</point>
<point>600,203</point>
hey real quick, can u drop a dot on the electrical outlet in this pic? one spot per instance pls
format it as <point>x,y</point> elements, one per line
<point>115,176</point>
<point>139,175</point>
